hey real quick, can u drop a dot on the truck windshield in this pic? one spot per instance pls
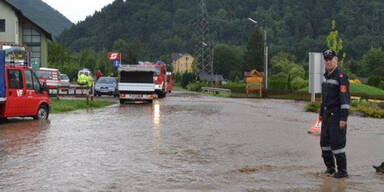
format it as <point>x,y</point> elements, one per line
<point>136,77</point>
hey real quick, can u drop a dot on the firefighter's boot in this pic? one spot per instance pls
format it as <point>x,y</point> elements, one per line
<point>341,161</point>
<point>329,162</point>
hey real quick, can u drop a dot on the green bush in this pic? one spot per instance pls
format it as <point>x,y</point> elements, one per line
<point>371,110</point>
<point>187,78</point>
<point>235,87</point>
<point>277,85</point>
<point>196,86</point>
<point>381,85</point>
<point>312,107</point>
<point>298,83</point>
<point>375,81</point>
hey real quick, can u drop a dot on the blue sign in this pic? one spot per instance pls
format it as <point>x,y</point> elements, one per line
<point>116,63</point>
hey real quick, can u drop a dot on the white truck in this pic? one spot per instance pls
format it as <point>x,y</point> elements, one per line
<point>136,83</point>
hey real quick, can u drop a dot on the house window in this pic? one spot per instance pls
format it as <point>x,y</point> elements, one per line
<point>32,39</point>
<point>2,25</point>
<point>31,36</point>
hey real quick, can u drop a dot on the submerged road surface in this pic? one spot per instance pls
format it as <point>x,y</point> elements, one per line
<point>186,142</point>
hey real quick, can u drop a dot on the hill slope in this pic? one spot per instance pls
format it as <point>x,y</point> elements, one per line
<point>293,26</point>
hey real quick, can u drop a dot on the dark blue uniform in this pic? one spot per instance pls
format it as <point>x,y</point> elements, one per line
<point>334,108</point>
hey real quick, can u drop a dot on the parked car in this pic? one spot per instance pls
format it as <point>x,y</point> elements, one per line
<point>64,80</point>
<point>106,86</point>
<point>49,76</point>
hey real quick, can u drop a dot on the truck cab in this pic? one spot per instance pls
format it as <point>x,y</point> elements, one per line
<point>21,94</point>
<point>159,78</point>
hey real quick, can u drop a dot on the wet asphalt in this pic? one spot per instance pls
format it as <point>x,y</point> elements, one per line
<point>185,142</point>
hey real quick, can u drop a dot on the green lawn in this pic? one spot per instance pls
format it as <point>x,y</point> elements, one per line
<point>360,89</point>
<point>66,105</point>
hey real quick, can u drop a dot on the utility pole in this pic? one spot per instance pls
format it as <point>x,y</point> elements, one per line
<point>212,58</point>
<point>266,50</point>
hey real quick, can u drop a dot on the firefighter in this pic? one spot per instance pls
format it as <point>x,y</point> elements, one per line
<point>82,79</point>
<point>334,113</point>
<point>90,81</point>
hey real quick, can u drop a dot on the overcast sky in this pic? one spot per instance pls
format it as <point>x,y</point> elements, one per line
<point>77,10</point>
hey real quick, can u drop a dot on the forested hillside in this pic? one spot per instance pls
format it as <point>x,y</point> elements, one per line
<point>44,15</point>
<point>293,26</point>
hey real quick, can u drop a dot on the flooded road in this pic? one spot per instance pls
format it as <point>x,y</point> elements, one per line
<point>186,142</point>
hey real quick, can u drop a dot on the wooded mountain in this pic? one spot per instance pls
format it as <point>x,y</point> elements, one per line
<point>296,27</point>
<point>43,15</point>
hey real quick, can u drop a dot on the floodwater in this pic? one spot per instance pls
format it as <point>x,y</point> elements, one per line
<point>186,142</point>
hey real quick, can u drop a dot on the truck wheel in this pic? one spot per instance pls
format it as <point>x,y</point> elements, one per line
<point>122,101</point>
<point>162,94</point>
<point>42,113</point>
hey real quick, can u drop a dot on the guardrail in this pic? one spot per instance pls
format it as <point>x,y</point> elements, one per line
<point>72,91</point>
<point>215,90</point>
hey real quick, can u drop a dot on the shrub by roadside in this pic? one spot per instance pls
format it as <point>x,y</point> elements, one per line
<point>312,107</point>
<point>196,86</point>
<point>235,87</point>
<point>369,109</point>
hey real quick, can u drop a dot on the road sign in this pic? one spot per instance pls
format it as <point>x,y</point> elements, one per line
<point>113,56</point>
<point>116,63</point>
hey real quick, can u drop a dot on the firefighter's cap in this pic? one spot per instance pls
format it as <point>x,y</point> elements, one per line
<point>329,54</point>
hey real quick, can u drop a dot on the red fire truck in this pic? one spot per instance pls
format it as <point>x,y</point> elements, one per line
<point>21,94</point>
<point>159,78</point>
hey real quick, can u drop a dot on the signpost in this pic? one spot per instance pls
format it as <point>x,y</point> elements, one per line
<point>112,56</point>
<point>116,63</point>
<point>316,71</point>
<point>115,57</point>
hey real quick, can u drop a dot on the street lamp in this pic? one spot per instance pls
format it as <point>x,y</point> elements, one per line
<point>265,54</point>
<point>211,59</point>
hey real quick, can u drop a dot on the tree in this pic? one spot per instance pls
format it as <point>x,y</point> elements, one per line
<point>254,54</point>
<point>374,62</point>
<point>227,59</point>
<point>132,52</point>
<point>335,43</point>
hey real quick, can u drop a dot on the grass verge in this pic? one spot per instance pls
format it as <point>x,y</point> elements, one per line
<point>66,105</point>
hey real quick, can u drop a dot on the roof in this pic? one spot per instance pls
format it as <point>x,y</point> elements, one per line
<point>20,14</point>
<point>206,77</point>
<point>176,56</point>
<point>138,68</point>
<point>47,69</point>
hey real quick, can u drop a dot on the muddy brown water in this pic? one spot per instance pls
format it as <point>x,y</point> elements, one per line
<point>186,142</point>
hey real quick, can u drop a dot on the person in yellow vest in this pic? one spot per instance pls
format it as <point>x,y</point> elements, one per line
<point>90,81</point>
<point>82,79</point>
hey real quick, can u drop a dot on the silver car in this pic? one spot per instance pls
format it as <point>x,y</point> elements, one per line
<point>64,80</point>
<point>106,86</point>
